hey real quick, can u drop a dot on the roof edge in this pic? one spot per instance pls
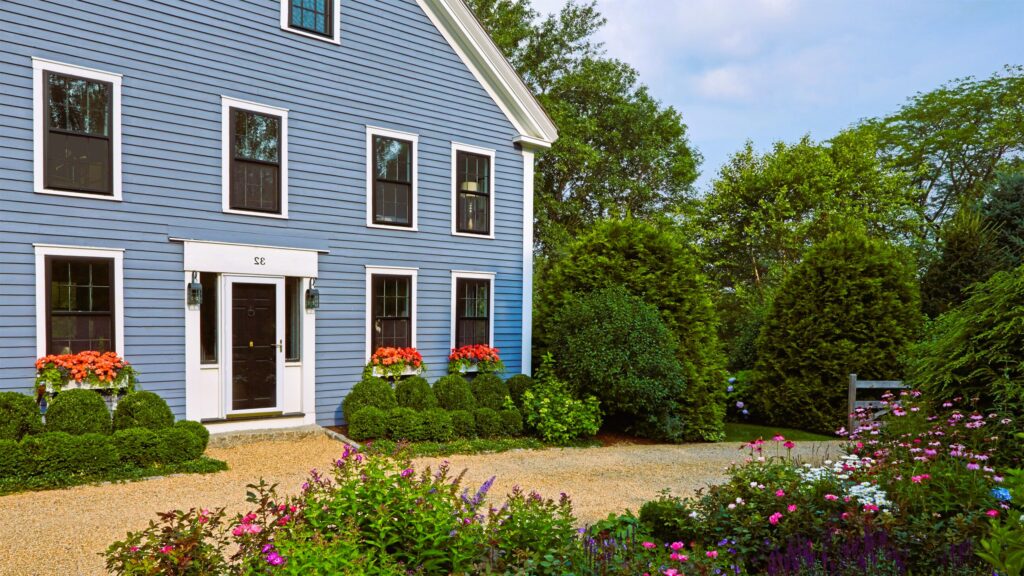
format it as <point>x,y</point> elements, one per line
<point>477,49</point>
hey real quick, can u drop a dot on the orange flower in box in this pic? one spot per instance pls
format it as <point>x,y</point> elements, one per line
<point>394,362</point>
<point>88,368</point>
<point>480,356</point>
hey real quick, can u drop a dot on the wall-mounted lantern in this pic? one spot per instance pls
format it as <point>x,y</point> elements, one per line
<point>194,291</point>
<point>312,295</point>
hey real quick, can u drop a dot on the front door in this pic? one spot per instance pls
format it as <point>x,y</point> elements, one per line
<point>256,344</point>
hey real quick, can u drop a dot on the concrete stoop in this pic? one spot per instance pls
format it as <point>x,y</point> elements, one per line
<point>232,439</point>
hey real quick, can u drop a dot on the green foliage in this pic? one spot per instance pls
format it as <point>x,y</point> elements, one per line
<point>974,350</point>
<point>177,445</point>
<point>511,422</point>
<point>617,349</point>
<point>463,423</point>
<point>1004,211</point>
<point>200,432</point>
<point>406,424</point>
<point>370,391</point>
<point>137,446</point>
<point>414,392</point>
<point>488,422</point>
<point>551,410</point>
<point>142,409</point>
<point>368,422</point>
<point>78,412</point>
<point>651,262</point>
<point>1003,547</point>
<point>13,461</point>
<point>516,386</point>
<point>454,393</point>
<point>490,391</point>
<point>19,416</point>
<point>850,307</point>
<point>181,543</point>
<point>438,425</point>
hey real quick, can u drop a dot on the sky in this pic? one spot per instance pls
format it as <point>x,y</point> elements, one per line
<point>769,70</point>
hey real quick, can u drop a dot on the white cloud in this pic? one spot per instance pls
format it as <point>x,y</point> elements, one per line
<point>729,83</point>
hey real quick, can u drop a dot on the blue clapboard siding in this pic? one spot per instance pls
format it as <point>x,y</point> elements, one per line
<point>393,70</point>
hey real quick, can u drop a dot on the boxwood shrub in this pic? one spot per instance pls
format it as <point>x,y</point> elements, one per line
<point>369,422</point>
<point>463,424</point>
<point>198,429</point>
<point>142,410</point>
<point>13,461</point>
<point>406,424</point>
<point>78,412</point>
<point>370,391</point>
<point>454,393</point>
<point>19,416</point>
<point>488,422</point>
<point>516,386</point>
<point>414,392</point>
<point>490,391</point>
<point>137,446</point>
<point>177,445</point>
<point>438,425</point>
<point>511,422</point>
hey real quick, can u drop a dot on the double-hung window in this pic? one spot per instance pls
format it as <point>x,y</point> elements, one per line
<point>318,19</point>
<point>472,308</point>
<point>391,307</point>
<point>473,200</point>
<point>255,158</point>
<point>77,127</point>
<point>391,178</point>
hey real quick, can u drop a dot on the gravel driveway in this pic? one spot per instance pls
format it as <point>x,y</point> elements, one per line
<point>62,531</point>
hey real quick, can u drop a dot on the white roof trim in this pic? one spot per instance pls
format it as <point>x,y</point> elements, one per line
<point>467,37</point>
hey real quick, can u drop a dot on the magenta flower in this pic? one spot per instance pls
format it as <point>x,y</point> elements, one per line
<point>677,546</point>
<point>407,472</point>
<point>648,545</point>
<point>789,444</point>
<point>774,518</point>
<point>712,554</point>
<point>779,438</point>
<point>166,549</point>
<point>274,559</point>
<point>831,497</point>
<point>992,513</point>
<point>780,493</point>
<point>791,508</point>
<point>973,466</point>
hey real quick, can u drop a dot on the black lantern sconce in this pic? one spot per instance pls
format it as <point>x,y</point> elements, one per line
<point>194,291</point>
<point>312,295</point>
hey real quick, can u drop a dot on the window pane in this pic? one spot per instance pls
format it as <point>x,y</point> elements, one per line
<point>311,15</point>
<point>80,305</point>
<point>393,204</point>
<point>392,311</point>
<point>473,189</point>
<point>255,186</point>
<point>472,301</point>
<point>77,162</point>
<point>293,319</point>
<point>256,136</point>
<point>79,105</point>
<point>208,318</point>
<point>392,159</point>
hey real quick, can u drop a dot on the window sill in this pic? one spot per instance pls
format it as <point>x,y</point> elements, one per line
<point>281,216</point>
<point>471,235</point>
<point>293,364</point>
<point>392,227</point>
<point>107,197</point>
<point>336,40</point>
<point>209,366</point>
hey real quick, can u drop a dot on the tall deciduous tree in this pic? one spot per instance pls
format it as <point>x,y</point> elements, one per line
<point>619,151</point>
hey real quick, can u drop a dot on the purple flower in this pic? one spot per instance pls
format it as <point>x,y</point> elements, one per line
<point>407,472</point>
<point>739,404</point>
<point>274,559</point>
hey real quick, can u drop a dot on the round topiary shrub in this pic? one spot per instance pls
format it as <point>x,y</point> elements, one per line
<point>850,307</point>
<point>19,416</point>
<point>488,422</point>
<point>615,347</point>
<point>137,446</point>
<point>511,422</point>
<point>50,454</point>
<point>454,393</point>
<point>490,391</point>
<point>414,392</point>
<point>369,422</point>
<point>438,425</point>
<point>370,391</point>
<point>516,386</point>
<point>93,454</point>
<point>78,412</point>
<point>406,424</point>
<point>198,430</point>
<point>13,463</point>
<point>177,445</point>
<point>463,424</point>
<point>142,410</point>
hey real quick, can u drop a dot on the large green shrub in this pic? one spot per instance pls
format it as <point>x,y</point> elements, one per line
<point>490,391</point>
<point>177,445</point>
<point>511,422</point>
<point>616,348</point>
<point>488,422</point>
<point>437,424</point>
<point>463,423</point>
<point>19,416</point>
<point>851,306</point>
<point>137,446</point>
<point>414,392</point>
<point>78,412</point>
<point>516,386</point>
<point>453,393</point>
<point>406,424</point>
<point>550,408</point>
<point>13,462</point>
<point>370,391</point>
<point>975,349</point>
<point>142,410</point>
<point>651,262</point>
<point>58,457</point>
<point>369,422</point>
<point>197,429</point>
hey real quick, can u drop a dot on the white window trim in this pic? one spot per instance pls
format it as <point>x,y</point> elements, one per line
<point>372,131</point>
<point>40,65</point>
<point>335,23</point>
<point>116,254</point>
<point>390,271</point>
<point>461,275</point>
<point>456,148</point>
<point>226,104</point>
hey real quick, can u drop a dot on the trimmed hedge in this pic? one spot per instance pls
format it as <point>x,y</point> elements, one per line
<point>511,422</point>
<point>415,393</point>
<point>463,424</point>
<point>198,429</point>
<point>438,425</point>
<point>178,445</point>
<point>19,416</point>
<point>78,412</point>
<point>142,410</point>
<point>454,393</point>
<point>488,422</point>
<point>517,385</point>
<point>369,422</point>
<point>490,391</point>
<point>137,446</point>
<point>370,391</point>
<point>406,424</point>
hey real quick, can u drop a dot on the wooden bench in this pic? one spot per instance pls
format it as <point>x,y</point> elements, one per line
<point>875,406</point>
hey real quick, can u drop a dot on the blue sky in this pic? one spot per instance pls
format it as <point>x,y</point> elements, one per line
<point>769,70</point>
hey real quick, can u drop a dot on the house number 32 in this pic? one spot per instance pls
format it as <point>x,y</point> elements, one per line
<point>259,261</point>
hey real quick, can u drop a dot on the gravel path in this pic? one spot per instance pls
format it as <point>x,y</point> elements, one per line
<point>61,532</point>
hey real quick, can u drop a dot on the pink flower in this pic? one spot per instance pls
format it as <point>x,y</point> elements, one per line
<point>671,572</point>
<point>973,466</point>
<point>845,515</point>
<point>831,497</point>
<point>407,472</point>
<point>712,554</point>
<point>677,546</point>
<point>780,493</point>
<point>648,545</point>
<point>166,549</point>
<point>779,438</point>
<point>774,518</point>
<point>134,548</point>
<point>791,508</point>
<point>992,513</point>
<point>870,508</point>
<point>789,444</point>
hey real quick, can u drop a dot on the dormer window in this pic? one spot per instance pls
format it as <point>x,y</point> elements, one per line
<point>314,18</point>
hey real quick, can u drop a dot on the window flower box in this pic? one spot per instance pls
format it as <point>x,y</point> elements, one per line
<point>105,372</point>
<point>394,363</point>
<point>479,358</point>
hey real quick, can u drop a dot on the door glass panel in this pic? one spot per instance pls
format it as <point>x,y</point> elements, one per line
<point>253,346</point>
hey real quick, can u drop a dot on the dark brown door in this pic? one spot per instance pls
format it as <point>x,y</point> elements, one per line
<point>253,346</point>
